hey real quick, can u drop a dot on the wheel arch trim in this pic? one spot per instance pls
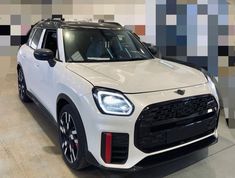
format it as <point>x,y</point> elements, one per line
<point>67,99</point>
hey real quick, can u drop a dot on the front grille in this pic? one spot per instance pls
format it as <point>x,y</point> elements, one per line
<point>175,122</point>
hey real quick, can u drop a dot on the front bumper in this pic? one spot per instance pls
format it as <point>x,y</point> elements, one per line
<point>96,124</point>
<point>164,157</point>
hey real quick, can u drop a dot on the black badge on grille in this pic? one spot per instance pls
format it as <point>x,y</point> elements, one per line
<point>180,92</point>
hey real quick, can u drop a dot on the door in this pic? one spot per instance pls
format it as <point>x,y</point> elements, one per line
<point>45,76</point>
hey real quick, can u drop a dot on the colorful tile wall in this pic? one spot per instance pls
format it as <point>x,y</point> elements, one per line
<point>193,30</point>
<point>17,16</point>
<point>201,32</point>
<point>227,60</point>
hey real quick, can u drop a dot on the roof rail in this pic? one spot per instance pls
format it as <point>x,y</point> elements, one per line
<point>57,18</point>
<point>112,23</point>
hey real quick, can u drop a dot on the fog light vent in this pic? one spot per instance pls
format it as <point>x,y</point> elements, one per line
<point>114,147</point>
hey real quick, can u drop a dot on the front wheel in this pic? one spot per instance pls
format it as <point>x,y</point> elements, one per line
<point>72,138</point>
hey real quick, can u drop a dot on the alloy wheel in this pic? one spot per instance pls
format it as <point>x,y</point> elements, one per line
<point>69,137</point>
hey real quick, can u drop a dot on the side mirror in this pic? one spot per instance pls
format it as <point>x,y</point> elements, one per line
<point>45,55</point>
<point>153,49</point>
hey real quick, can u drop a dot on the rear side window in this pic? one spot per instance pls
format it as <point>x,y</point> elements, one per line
<point>36,38</point>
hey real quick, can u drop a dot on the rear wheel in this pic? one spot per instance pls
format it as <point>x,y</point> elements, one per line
<point>22,87</point>
<point>72,138</point>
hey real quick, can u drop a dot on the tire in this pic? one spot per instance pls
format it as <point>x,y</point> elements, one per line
<point>22,88</point>
<point>72,138</point>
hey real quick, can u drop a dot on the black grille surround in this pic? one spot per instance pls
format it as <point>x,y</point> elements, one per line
<point>171,123</point>
<point>119,147</point>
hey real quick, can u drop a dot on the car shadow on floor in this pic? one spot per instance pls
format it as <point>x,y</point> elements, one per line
<point>160,170</point>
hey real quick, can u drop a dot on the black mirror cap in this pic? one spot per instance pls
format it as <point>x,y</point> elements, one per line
<point>153,50</point>
<point>43,54</point>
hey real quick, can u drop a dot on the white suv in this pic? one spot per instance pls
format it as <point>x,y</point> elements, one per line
<point>116,105</point>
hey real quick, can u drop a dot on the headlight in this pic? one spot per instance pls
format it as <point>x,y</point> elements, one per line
<point>112,102</point>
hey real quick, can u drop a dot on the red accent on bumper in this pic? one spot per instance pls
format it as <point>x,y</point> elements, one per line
<point>108,147</point>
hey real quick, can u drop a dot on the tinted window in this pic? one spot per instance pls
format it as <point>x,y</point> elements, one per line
<point>36,38</point>
<point>97,45</point>
<point>50,42</point>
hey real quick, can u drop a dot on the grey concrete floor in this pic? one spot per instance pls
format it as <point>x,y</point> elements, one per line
<point>29,144</point>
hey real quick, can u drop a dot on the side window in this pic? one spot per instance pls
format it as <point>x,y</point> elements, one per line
<point>50,42</point>
<point>36,38</point>
<point>30,35</point>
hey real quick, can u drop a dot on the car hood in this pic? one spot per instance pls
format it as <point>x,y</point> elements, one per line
<point>139,76</point>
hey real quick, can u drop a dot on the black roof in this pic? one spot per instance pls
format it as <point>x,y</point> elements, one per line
<point>55,24</point>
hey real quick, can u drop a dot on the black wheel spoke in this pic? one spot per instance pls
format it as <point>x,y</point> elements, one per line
<point>66,117</point>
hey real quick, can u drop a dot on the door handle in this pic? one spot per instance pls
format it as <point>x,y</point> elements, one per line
<point>36,65</point>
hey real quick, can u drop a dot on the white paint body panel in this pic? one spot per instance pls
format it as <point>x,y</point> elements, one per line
<point>139,76</point>
<point>155,79</point>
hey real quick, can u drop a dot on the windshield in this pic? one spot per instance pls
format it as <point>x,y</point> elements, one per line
<point>96,45</point>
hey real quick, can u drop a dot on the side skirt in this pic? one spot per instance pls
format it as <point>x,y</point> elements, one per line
<point>42,108</point>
